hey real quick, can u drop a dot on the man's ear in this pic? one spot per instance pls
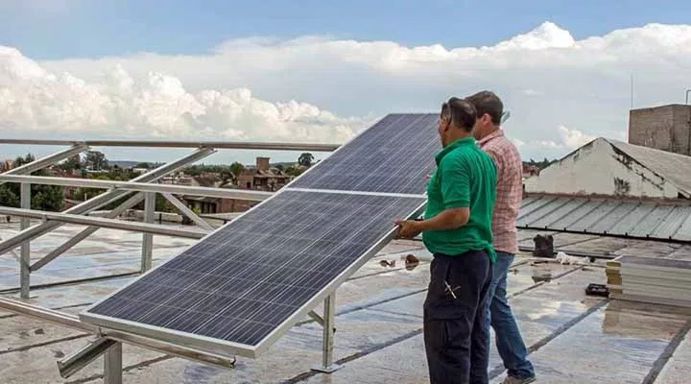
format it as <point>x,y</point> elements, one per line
<point>446,125</point>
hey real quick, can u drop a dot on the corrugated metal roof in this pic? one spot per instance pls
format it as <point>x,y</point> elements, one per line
<point>670,166</point>
<point>661,220</point>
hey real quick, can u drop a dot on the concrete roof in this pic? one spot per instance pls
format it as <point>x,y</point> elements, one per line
<point>671,166</point>
<point>571,337</point>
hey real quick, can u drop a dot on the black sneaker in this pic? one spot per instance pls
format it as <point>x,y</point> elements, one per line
<point>516,380</point>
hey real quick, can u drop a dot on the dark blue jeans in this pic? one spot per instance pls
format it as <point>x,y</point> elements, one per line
<point>455,330</point>
<point>509,341</point>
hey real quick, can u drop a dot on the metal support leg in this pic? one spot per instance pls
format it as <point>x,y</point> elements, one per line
<point>148,238</point>
<point>112,369</point>
<point>25,254</point>
<point>327,365</point>
<point>186,211</point>
<point>83,357</point>
<point>131,202</point>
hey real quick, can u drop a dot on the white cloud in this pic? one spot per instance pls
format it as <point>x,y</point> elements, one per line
<point>547,35</point>
<point>545,77</point>
<point>33,99</point>
<point>573,138</point>
<point>567,138</point>
<point>532,92</point>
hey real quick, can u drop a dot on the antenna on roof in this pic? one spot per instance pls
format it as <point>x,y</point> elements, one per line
<point>688,91</point>
<point>631,91</point>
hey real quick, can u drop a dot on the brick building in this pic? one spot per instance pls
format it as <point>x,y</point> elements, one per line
<point>209,205</point>
<point>667,128</point>
<point>262,177</point>
<point>6,165</point>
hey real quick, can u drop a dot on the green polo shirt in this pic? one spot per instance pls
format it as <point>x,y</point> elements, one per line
<point>465,177</point>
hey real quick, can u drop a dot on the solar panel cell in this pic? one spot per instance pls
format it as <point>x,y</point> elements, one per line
<point>394,156</point>
<point>243,281</point>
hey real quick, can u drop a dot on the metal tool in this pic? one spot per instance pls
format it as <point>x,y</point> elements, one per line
<point>450,290</point>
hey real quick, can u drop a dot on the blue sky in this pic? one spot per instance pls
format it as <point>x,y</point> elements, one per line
<point>320,71</point>
<point>54,29</point>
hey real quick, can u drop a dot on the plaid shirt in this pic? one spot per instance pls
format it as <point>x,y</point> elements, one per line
<point>509,189</point>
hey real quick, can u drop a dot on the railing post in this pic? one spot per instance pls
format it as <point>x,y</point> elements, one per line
<point>112,368</point>
<point>327,365</point>
<point>148,238</point>
<point>25,254</point>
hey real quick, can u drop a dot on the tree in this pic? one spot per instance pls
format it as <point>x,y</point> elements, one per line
<point>43,197</point>
<point>294,171</point>
<point>306,159</point>
<point>8,196</point>
<point>163,205</point>
<point>194,170</point>
<point>236,169</point>
<point>48,198</point>
<point>96,160</point>
<point>143,165</point>
<point>72,163</point>
<point>19,161</point>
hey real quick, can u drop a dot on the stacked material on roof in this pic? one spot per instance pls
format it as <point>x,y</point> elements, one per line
<point>650,280</point>
<point>613,272</point>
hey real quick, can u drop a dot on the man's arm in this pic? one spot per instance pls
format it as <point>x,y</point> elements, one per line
<point>455,189</point>
<point>449,219</point>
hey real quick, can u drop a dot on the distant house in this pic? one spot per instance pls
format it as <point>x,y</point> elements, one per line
<point>212,205</point>
<point>139,171</point>
<point>207,179</point>
<point>530,170</point>
<point>177,178</point>
<point>614,168</point>
<point>262,177</point>
<point>6,165</point>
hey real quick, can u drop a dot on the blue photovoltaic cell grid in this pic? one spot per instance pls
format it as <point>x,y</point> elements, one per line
<point>394,156</point>
<point>246,279</point>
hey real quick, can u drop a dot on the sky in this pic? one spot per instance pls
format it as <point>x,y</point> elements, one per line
<point>317,71</point>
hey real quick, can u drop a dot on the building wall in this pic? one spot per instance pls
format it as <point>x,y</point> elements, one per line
<point>263,163</point>
<point>234,205</point>
<point>667,128</point>
<point>597,168</point>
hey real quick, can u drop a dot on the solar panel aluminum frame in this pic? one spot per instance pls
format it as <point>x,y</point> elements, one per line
<point>228,348</point>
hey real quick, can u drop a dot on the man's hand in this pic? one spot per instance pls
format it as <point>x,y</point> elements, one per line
<point>407,229</point>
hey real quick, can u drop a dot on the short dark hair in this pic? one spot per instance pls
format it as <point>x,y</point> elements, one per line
<point>488,102</point>
<point>461,112</point>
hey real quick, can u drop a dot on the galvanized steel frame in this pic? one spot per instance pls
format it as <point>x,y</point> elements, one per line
<point>226,348</point>
<point>71,321</point>
<point>113,354</point>
<point>115,191</point>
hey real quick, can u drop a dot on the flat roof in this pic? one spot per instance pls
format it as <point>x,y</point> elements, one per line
<point>572,337</point>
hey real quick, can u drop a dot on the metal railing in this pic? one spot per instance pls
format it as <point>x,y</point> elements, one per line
<point>141,188</point>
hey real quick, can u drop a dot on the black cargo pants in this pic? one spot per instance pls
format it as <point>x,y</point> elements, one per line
<point>455,320</point>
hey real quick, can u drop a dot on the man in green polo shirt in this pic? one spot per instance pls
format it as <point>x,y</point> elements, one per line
<point>457,229</point>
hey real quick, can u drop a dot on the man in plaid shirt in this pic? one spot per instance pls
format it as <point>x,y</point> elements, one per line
<point>491,139</point>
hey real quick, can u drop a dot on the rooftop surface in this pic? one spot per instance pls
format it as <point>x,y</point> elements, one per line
<point>572,337</point>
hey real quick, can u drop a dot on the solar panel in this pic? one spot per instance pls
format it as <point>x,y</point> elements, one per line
<point>241,287</point>
<point>394,156</point>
